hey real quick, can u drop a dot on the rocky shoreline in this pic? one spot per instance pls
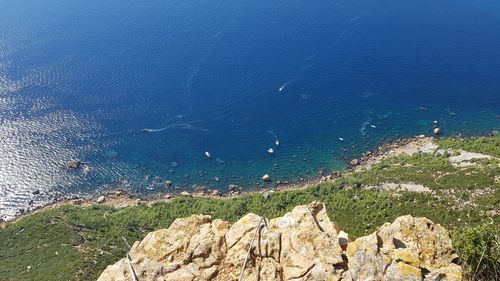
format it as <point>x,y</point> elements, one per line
<point>123,198</point>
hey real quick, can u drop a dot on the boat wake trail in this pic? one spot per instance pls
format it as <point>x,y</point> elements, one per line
<point>286,84</point>
<point>180,126</point>
<point>276,141</point>
<point>307,65</point>
<point>176,123</point>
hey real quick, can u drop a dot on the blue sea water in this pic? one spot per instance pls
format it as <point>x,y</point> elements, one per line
<point>139,90</point>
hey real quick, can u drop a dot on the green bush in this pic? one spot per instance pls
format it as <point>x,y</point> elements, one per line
<point>479,250</point>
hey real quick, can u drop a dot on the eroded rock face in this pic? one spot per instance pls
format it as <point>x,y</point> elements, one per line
<point>310,247</point>
<point>408,249</point>
<point>190,249</point>
<point>301,245</point>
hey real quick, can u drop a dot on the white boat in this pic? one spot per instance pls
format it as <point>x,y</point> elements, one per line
<point>208,154</point>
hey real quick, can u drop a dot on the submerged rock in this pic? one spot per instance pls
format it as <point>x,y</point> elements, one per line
<point>302,245</point>
<point>167,184</point>
<point>73,164</point>
<point>111,153</point>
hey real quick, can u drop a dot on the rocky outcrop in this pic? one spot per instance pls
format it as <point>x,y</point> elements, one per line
<point>302,245</point>
<point>408,249</point>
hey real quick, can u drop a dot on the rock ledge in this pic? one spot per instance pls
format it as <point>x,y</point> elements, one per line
<point>302,245</point>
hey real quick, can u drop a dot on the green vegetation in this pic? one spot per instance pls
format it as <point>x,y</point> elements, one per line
<point>479,247</point>
<point>432,170</point>
<point>76,243</point>
<point>485,145</point>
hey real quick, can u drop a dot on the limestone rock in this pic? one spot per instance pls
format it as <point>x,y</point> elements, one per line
<point>145,270</point>
<point>447,273</point>
<point>355,162</point>
<point>241,228</point>
<point>404,250</point>
<point>189,250</point>
<point>185,193</point>
<point>264,254</point>
<point>232,187</point>
<point>302,245</point>
<point>266,178</point>
<point>309,243</point>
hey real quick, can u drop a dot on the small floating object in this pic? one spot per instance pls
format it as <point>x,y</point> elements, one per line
<point>207,154</point>
<point>270,151</point>
<point>277,142</point>
<point>341,139</point>
<point>435,121</point>
<point>373,126</point>
<point>437,131</point>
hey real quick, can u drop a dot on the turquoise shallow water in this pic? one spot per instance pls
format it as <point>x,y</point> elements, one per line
<point>139,90</point>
